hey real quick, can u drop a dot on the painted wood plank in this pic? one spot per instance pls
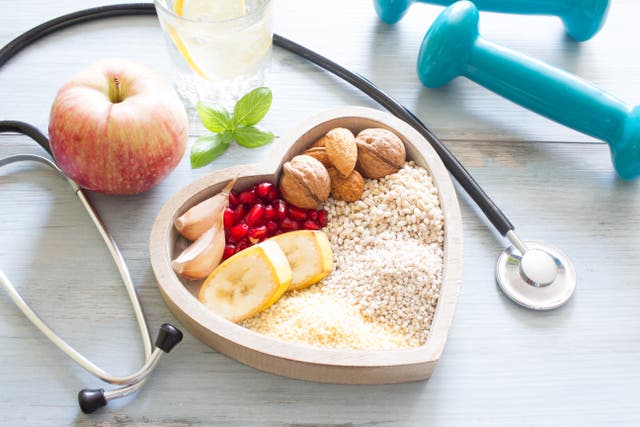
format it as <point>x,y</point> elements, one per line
<point>502,365</point>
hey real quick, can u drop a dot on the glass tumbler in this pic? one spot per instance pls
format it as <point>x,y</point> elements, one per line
<point>221,49</point>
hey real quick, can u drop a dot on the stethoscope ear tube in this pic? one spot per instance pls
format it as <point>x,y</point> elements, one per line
<point>92,399</point>
<point>168,336</point>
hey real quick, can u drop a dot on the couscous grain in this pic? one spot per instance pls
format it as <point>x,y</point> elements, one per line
<point>388,257</point>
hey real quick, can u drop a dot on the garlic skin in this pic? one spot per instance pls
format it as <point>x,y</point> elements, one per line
<point>200,258</point>
<point>201,217</point>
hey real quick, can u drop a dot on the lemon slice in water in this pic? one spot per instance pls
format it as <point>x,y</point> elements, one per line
<point>226,53</point>
<point>218,10</point>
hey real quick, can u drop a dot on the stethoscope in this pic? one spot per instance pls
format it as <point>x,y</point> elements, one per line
<point>535,275</point>
<point>168,336</point>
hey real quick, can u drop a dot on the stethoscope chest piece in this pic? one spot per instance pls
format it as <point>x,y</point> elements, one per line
<point>540,277</point>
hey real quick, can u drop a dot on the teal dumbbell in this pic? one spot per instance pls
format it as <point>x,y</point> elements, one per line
<point>582,18</point>
<point>452,47</point>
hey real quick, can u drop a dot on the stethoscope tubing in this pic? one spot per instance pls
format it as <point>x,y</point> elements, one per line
<point>493,213</point>
<point>131,383</point>
<point>151,355</point>
<point>92,399</point>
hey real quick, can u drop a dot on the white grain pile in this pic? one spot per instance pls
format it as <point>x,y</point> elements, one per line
<point>388,249</point>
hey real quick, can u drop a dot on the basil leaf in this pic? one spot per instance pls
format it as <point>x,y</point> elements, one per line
<point>252,107</point>
<point>206,148</point>
<point>214,117</point>
<point>252,137</point>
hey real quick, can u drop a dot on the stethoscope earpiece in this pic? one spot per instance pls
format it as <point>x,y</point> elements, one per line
<point>168,336</point>
<point>534,275</point>
<point>92,399</point>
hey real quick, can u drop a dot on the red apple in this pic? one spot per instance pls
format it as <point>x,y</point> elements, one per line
<point>117,127</point>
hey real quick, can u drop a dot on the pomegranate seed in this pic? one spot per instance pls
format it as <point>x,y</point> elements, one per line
<point>272,227</point>
<point>263,190</point>
<point>238,231</point>
<point>269,213</point>
<point>257,233</point>
<point>310,225</point>
<point>228,251</point>
<point>243,244</point>
<point>228,217</point>
<point>274,193</point>
<point>322,218</point>
<point>255,215</point>
<point>296,213</point>
<point>240,212</point>
<point>289,224</point>
<point>233,199</point>
<point>312,214</point>
<point>248,197</point>
<point>280,206</point>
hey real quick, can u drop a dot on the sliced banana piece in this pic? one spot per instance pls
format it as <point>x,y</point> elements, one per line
<point>248,282</point>
<point>309,255</point>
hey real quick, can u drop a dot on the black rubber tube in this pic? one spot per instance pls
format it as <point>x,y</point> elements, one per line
<point>464,178</point>
<point>26,129</point>
<point>453,165</point>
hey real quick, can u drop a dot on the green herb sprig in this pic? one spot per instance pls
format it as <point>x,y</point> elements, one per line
<point>241,127</point>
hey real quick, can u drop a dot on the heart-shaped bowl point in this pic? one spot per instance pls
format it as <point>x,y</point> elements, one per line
<point>296,360</point>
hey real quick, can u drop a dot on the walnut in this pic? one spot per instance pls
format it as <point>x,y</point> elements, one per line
<point>319,142</point>
<point>348,188</point>
<point>380,152</point>
<point>304,182</point>
<point>320,154</point>
<point>342,150</point>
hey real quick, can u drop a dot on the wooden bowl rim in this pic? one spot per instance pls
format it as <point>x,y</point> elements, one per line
<point>173,289</point>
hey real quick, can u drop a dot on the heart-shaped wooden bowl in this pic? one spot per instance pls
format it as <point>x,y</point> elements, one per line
<point>298,360</point>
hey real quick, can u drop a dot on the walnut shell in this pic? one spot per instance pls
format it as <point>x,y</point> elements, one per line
<point>380,152</point>
<point>342,150</point>
<point>319,142</point>
<point>304,182</point>
<point>320,154</point>
<point>348,188</point>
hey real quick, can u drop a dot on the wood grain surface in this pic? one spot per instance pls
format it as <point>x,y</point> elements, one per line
<point>502,365</point>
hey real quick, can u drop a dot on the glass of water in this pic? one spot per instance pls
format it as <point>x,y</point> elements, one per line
<point>221,49</point>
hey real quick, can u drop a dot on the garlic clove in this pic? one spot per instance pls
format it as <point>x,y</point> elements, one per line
<point>200,258</point>
<point>201,217</point>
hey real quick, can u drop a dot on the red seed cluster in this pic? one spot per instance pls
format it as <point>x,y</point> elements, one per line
<point>258,213</point>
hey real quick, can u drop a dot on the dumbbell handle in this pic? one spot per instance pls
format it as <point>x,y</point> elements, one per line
<point>582,18</point>
<point>452,47</point>
<point>546,90</point>
<point>534,7</point>
<point>525,7</point>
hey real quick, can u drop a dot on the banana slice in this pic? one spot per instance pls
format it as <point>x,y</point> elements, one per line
<point>248,282</point>
<point>309,255</point>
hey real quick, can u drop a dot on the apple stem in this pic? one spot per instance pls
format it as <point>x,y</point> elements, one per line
<point>114,91</point>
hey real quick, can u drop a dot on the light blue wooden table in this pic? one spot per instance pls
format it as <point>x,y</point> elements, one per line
<point>503,365</point>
